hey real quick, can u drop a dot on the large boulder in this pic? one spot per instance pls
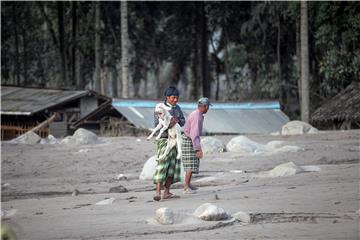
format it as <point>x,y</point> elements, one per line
<point>212,145</point>
<point>243,144</point>
<point>297,127</point>
<point>210,212</point>
<point>27,138</point>
<point>81,137</point>
<point>164,216</point>
<point>84,137</point>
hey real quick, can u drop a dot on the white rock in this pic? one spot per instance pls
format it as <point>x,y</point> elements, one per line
<point>8,213</point>
<point>27,138</point>
<point>69,140</point>
<point>285,169</point>
<point>297,127</point>
<point>236,171</point>
<point>288,148</point>
<point>49,140</point>
<point>311,168</point>
<point>149,169</point>
<point>243,217</point>
<point>274,144</point>
<point>164,216</point>
<point>210,212</point>
<point>83,137</point>
<point>212,145</point>
<point>244,145</point>
<point>106,201</point>
<point>121,177</point>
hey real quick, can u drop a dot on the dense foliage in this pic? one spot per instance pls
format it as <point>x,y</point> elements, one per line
<point>225,50</point>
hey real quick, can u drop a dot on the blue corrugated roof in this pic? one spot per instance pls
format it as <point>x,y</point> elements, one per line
<point>249,117</point>
<point>186,105</point>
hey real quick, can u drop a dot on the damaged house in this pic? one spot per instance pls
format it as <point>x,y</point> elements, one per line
<point>25,108</point>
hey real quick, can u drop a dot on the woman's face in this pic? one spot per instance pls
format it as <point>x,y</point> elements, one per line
<point>172,100</point>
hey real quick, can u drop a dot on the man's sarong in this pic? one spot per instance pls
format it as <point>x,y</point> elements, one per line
<point>168,167</point>
<point>189,159</point>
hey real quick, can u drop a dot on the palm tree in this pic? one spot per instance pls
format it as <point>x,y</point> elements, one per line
<point>124,49</point>
<point>304,62</point>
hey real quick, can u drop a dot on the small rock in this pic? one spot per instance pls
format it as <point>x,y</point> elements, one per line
<point>121,177</point>
<point>216,197</point>
<point>75,193</point>
<point>118,189</point>
<point>210,212</point>
<point>243,217</point>
<point>164,216</point>
<point>106,201</point>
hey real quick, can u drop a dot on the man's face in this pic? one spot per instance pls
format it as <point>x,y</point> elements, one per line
<point>204,108</point>
<point>172,100</point>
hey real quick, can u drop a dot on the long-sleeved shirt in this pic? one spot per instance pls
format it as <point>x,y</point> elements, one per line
<point>193,128</point>
<point>174,111</point>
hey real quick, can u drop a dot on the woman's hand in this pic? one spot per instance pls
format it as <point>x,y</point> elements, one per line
<point>173,121</point>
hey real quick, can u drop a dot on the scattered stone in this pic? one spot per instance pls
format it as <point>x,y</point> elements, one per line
<point>106,201</point>
<point>212,145</point>
<point>311,168</point>
<point>164,216</point>
<point>84,137</point>
<point>243,217</point>
<point>297,127</point>
<point>49,140</point>
<point>216,197</point>
<point>210,212</point>
<point>118,189</point>
<point>5,185</point>
<point>121,177</point>
<point>244,145</point>
<point>75,193</point>
<point>132,197</point>
<point>5,214</point>
<point>39,213</point>
<point>337,203</point>
<point>27,138</point>
<point>286,169</point>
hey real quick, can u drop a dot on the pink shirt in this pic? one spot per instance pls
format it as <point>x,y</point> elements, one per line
<point>193,127</point>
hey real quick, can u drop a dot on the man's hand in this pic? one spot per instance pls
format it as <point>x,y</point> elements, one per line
<point>173,121</point>
<point>199,153</point>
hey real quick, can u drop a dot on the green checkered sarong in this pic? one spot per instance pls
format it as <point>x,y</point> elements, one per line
<point>168,167</point>
<point>189,159</point>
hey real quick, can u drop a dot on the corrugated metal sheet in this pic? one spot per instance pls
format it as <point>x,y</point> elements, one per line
<point>250,117</point>
<point>27,101</point>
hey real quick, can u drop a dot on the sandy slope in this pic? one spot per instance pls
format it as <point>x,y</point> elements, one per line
<point>37,182</point>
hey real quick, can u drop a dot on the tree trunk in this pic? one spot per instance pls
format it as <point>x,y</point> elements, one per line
<point>74,49</point>
<point>124,49</point>
<point>16,36</point>
<point>278,53</point>
<point>204,53</point>
<point>194,80</point>
<point>298,59</point>
<point>97,48</point>
<point>304,62</point>
<point>62,42</point>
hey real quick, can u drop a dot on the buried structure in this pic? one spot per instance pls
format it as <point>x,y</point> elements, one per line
<point>130,116</point>
<point>341,111</point>
<point>23,109</point>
